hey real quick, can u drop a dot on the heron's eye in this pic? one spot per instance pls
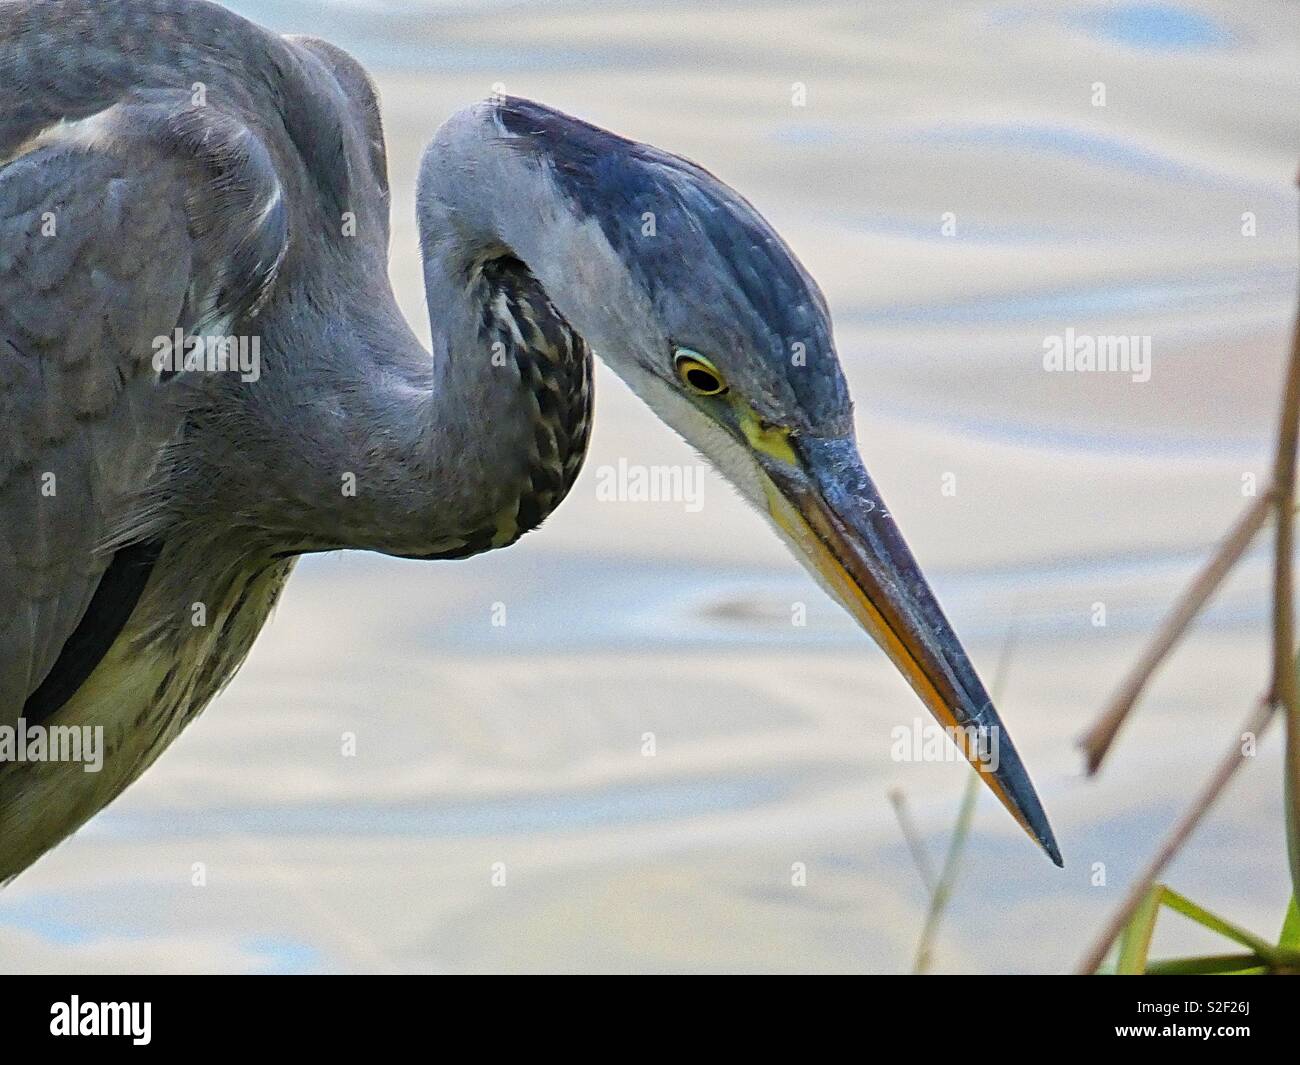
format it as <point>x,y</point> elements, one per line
<point>698,374</point>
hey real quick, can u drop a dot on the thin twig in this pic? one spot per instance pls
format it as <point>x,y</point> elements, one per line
<point>1097,740</point>
<point>920,856</point>
<point>1283,691</point>
<point>1256,724</point>
<point>943,889</point>
<point>948,877</point>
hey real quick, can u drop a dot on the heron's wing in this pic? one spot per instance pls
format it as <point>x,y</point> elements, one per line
<point>115,230</point>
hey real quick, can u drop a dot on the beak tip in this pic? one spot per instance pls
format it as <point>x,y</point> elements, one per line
<point>1039,828</point>
<point>1018,794</point>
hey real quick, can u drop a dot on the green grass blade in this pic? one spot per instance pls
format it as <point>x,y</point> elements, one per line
<point>1135,940</point>
<point>1291,760</point>
<point>943,888</point>
<point>1209,965</point>
<point>1290,937</point>
<point>948,875</point>
<point>1203,917</point>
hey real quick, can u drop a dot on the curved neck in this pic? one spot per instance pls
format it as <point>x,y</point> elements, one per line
<point>510,404</point>
<point>447,456</point>
<point>506,265</point>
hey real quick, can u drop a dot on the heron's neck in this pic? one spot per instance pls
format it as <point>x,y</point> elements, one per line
<point>442,454</point>
<point>509,411</point>
<point>520,288</point>
<point>386,448</point>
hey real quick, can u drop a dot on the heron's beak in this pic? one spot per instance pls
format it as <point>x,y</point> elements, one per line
<point>820,495</point>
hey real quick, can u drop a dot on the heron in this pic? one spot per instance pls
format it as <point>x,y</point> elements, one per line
<point>170,169</point>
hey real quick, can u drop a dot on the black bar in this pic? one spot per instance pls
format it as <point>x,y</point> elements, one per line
<point>995,1014</point>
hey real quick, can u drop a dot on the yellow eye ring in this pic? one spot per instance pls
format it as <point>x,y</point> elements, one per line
<point>698,374</point>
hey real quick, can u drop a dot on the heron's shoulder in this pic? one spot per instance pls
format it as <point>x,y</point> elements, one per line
<point>66,61</point>
<point>360,96</point>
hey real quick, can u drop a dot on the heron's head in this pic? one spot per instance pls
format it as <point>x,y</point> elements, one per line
<point>699,305</point>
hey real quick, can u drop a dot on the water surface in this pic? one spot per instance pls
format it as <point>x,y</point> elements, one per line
<point>520,750</point>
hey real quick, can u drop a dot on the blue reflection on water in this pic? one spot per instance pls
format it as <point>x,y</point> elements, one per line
<point>602,604</point>
<point>438,817</point>
<point>1159,27</point>
<point>1151,295</point>
<point>40,915</point>
<point>1097,148</point>
<point>283,956</point>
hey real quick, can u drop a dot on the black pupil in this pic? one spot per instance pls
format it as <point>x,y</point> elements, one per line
<point>702,379</point>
